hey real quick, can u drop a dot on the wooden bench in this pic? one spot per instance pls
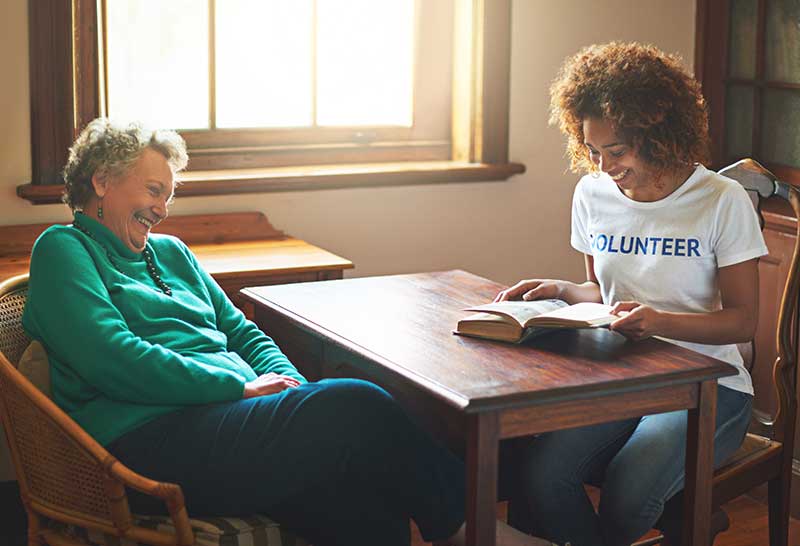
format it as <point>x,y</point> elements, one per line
<point>239,249</point>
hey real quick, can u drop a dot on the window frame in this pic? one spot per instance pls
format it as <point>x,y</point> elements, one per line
<point>65,76</point>
<point>711,69</point>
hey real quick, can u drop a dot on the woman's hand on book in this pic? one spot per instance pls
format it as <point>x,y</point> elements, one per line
<point>636,321</point>
<point>532,289</point>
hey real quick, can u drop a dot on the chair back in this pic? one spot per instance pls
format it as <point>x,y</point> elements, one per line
<point>761,184</point>
<point>13,339</point>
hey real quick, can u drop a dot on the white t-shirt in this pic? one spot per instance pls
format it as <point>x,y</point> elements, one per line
<point>666,253</point>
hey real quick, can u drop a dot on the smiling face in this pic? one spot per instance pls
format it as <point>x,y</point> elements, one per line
<point>135,201</point>
<point>617,158</point>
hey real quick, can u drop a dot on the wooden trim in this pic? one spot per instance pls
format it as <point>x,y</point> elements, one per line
<point>462,116</point>
<point>52,107</point>
<point>781,220</point>
<point>481,462</point>
<point>495,81</point>
<point>320,154</point>
<point>699,466</point>
<point>785,173</point>
<point>785,86</point>
<point>87,65</point>
<point>713,40</point>
<point>700,28</point>
<point>559,415</point>
<point>320,177</point>
<point>758,92</point>
<point>481,81</point>
<point>761,82</point>
<point>200,139</point>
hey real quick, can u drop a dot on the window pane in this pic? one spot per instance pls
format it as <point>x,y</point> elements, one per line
<point>264,63</point>
<point>742,37</point>
<point>739,122</point>
<point>783,40</point>
<point>780,138</point>
<point>158,62</point>
<point>365,52</point>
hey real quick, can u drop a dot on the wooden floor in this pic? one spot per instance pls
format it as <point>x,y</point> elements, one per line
<point>748,526</point>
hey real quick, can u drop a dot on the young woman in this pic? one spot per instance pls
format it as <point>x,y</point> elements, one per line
<point>674,247</point>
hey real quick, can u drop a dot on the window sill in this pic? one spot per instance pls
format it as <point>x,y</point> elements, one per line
<point>317,177</point>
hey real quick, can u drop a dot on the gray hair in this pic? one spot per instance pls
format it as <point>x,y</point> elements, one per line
<point>107,149</point>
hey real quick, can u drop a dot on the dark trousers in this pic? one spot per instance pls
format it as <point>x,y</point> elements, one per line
<point>338,462</point>
<point>639,462</point>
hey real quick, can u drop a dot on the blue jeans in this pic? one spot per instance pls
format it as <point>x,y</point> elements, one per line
<point>337,461</point>
<point>639,463</point>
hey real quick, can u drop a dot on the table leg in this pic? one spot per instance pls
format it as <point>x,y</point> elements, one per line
<point>481,476</point>
<point>700,467</point>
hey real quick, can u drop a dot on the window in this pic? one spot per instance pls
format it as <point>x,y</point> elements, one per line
<point>402,99</point>
<point>749,60</point>
<point>292,83</point>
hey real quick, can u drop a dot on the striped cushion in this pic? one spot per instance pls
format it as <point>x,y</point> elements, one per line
<point>252,530</point>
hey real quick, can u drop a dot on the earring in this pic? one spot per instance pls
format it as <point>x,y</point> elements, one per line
<point>100,209</point>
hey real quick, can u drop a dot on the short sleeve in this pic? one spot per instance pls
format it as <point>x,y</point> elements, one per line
<point>579,238</point>
<point>737,232</point>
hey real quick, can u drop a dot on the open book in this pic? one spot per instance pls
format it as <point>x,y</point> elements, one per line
<point>516,321</point>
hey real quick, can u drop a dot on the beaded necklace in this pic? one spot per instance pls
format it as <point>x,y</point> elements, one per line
<point>146,254</point>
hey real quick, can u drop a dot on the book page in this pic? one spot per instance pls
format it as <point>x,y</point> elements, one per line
<point>584,313</point>
<point>520,311</point>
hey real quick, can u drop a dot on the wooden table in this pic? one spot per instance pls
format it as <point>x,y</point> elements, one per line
<point>397,331</point>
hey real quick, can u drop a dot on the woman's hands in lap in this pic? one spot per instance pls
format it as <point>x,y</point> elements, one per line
<point>269,383</point>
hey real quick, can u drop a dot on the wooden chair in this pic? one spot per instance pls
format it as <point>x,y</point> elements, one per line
<point>73,490</point>
<point>762,459</point>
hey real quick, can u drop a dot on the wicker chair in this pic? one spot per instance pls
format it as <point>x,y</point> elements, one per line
<point>73,490</point>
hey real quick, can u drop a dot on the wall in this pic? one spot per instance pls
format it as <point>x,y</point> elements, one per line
<point>501,230</point>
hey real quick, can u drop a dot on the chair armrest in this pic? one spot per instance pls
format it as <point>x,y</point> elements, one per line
<point>65,475</point>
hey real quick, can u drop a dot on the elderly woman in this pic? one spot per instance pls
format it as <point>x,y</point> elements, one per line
<point>150,357</point>
<point>674,247</point>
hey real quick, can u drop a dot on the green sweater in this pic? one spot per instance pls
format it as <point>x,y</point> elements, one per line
<point>121,351</point>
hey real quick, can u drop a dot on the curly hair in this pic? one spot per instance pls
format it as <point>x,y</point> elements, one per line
<point>108,149</point>
<point>652,102</point>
